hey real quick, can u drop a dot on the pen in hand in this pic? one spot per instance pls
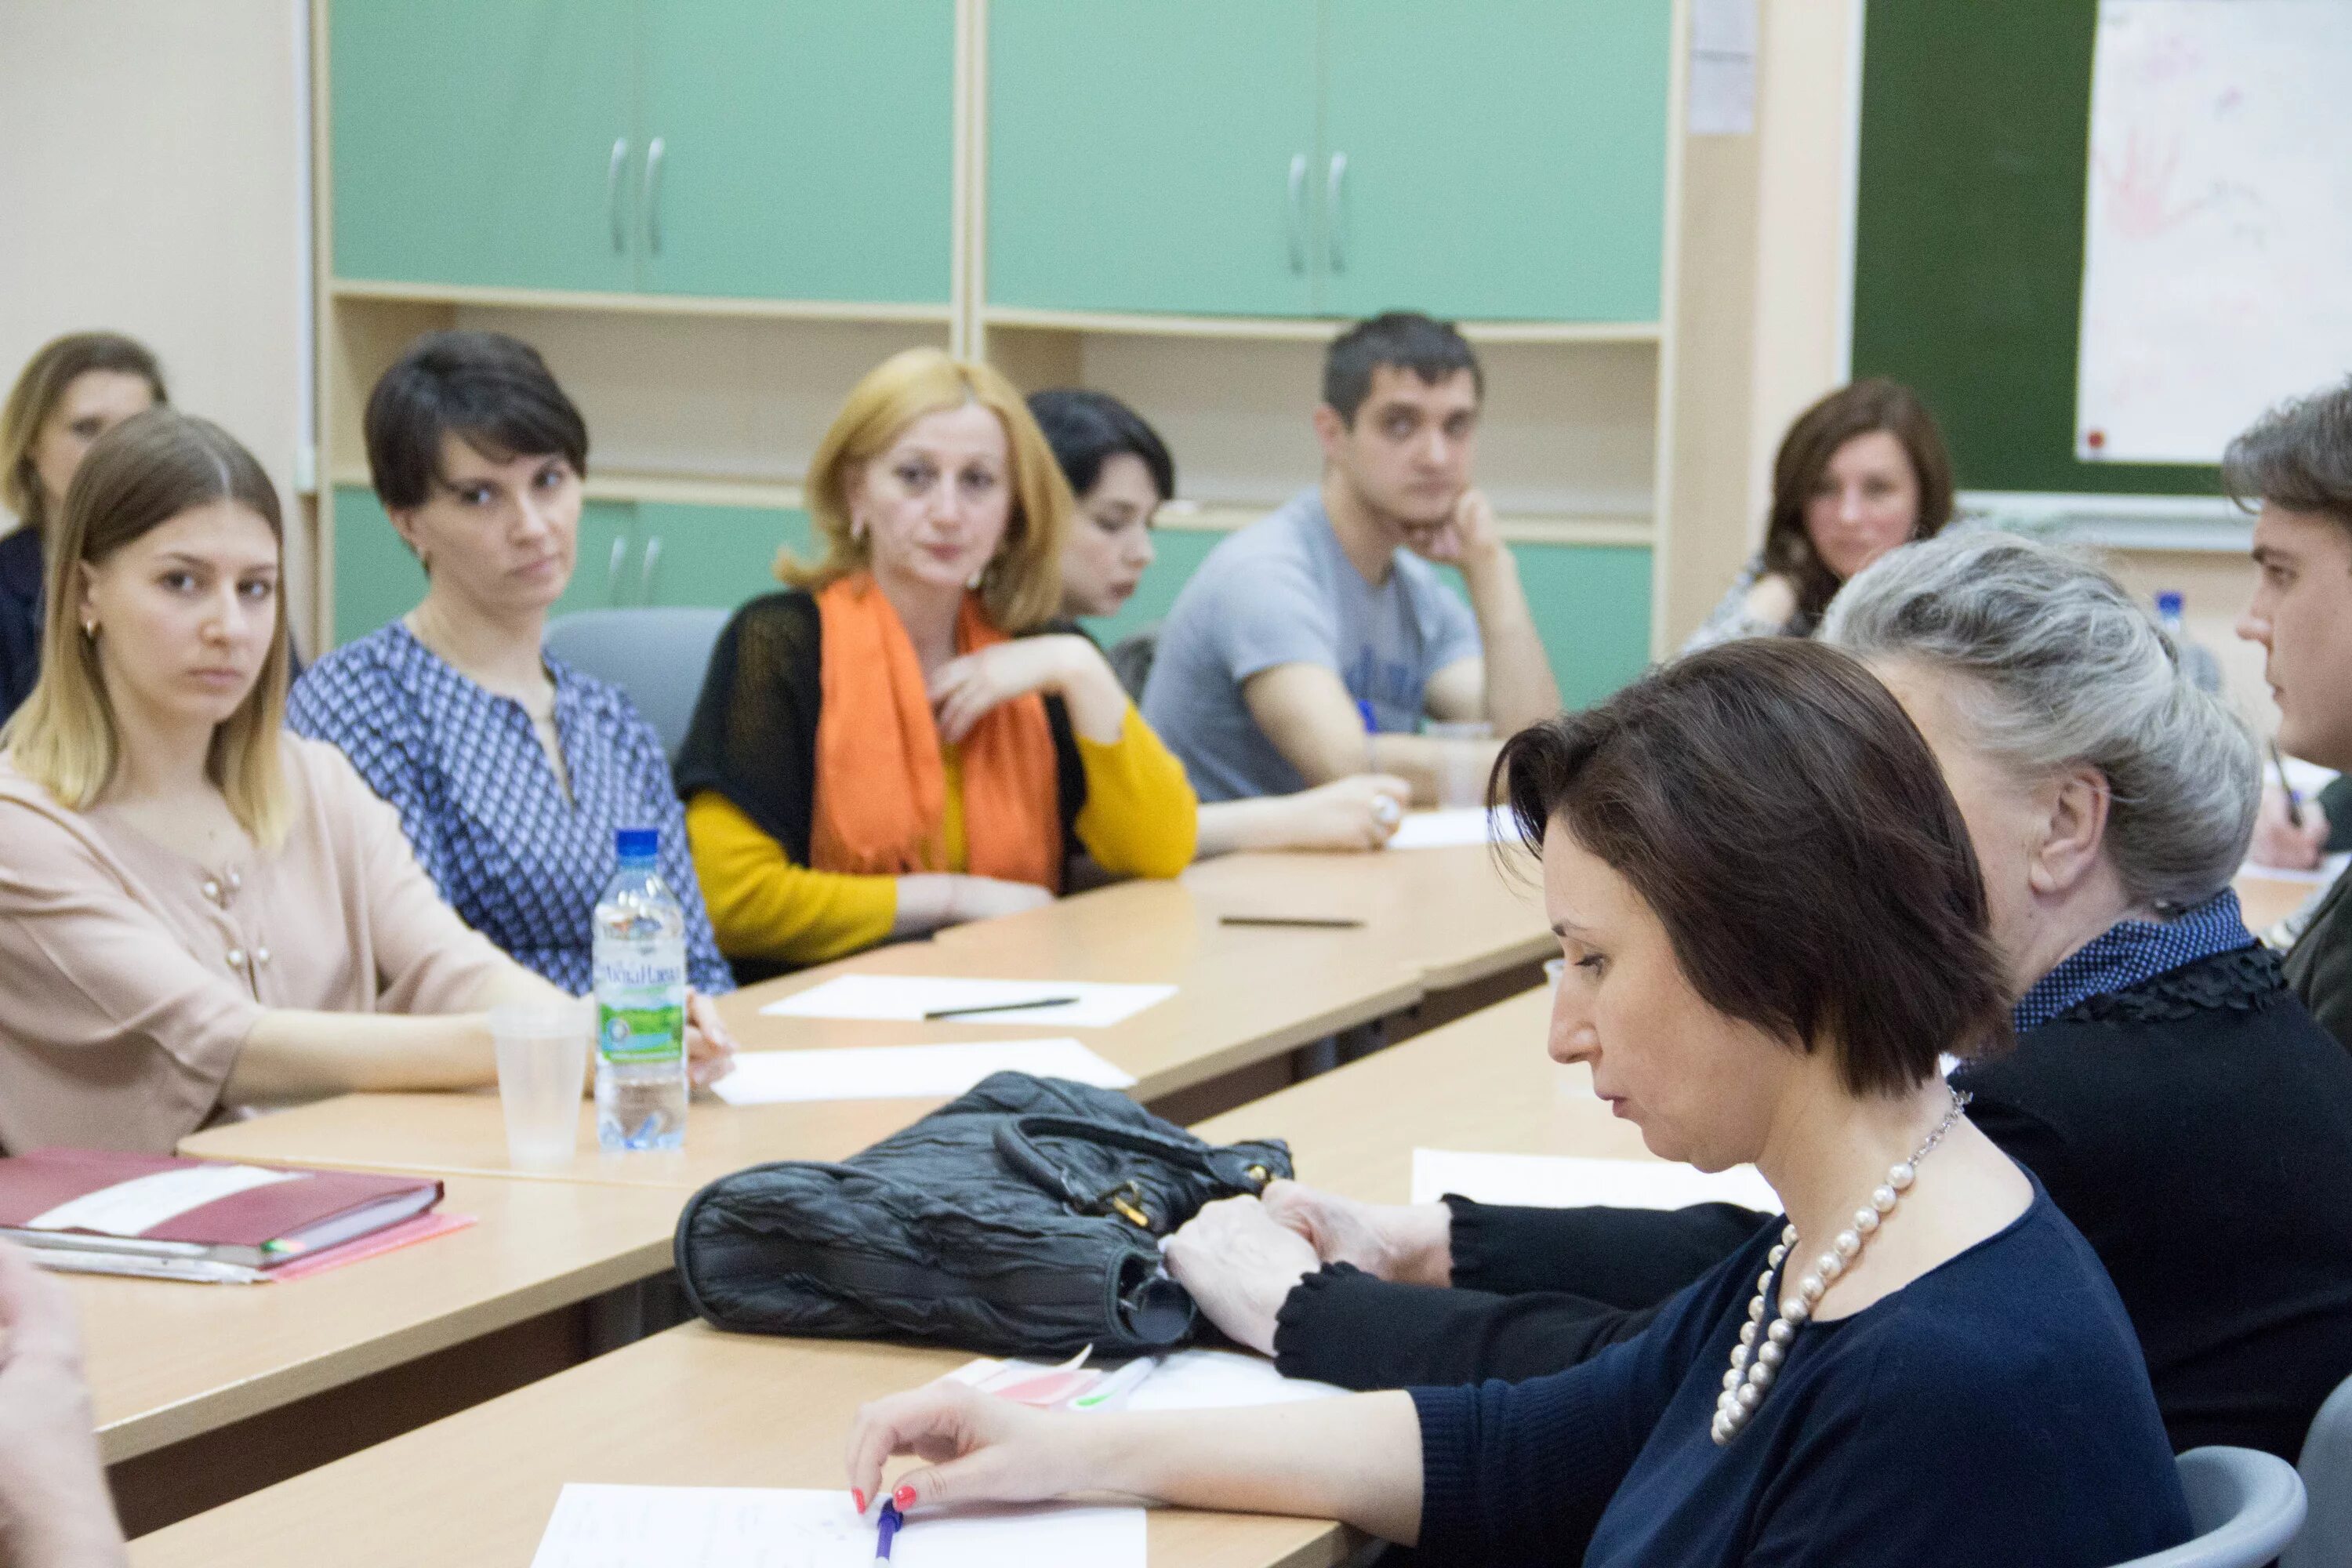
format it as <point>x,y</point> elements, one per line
<point>886,1530</point>
<point>2294,801</point>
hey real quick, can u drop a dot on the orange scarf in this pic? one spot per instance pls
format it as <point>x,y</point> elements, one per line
<point>881,785</point>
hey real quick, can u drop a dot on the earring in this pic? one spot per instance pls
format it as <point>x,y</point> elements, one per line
<point>857,530</point>
<point>89,630</point>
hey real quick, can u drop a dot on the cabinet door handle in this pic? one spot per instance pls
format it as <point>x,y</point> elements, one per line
<point>612,570</point>
<point>1298,212</point>
<point>652,195</point>
<point>645,564</point>
<point>612,192</point>
<point>1335,186</point>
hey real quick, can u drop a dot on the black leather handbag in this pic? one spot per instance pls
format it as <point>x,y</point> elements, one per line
<point>1023,1218</point>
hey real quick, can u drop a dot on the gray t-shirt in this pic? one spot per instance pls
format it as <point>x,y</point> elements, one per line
<point>1282,591</point>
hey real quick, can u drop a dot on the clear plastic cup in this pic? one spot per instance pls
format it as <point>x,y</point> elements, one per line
<point>542,1052</point>
<point>1462,771</point>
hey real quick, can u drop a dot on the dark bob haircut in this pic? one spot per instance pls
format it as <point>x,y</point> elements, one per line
<point>1405,340</point>
<point>490,390</point>
<point>1775,808</point>
<point>2297,457</point>
<point>1089,429</point>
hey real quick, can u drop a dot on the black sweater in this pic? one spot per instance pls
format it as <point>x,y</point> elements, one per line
<point>2197,1128</point>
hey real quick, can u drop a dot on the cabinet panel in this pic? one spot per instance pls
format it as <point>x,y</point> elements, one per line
<point>376,578</point>
<point>1504,159</point>
<point>714,555</point>
<point>807,148</point>
<point>1139,156</point>
<point>473,142</point>
<point>1592,607</point>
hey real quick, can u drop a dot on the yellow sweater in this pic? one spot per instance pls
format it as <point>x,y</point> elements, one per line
<point>1139,820</point>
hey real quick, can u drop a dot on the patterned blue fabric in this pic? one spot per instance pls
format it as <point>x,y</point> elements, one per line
<point>2131,952</point>
<point>490,824</point>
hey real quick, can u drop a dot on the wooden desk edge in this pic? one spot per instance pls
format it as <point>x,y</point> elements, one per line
<point>207,1412</point>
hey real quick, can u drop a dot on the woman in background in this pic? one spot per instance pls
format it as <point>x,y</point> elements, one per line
<point>1122,474</point>
<point>74,390</point>
<point>511,770</point>
<point>885,750</point>
<point>1861,471</point>
<point>199,912</point>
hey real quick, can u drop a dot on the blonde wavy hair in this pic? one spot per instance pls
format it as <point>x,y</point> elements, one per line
<point>147,470</point>
<point>1022,586</point>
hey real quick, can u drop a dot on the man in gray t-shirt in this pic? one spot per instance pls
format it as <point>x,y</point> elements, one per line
<point>1311,644</point>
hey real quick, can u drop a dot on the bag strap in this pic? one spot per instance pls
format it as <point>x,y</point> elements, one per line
<point>1015,1144</point>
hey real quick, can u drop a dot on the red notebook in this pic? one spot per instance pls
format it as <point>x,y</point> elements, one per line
<point>191,1216</point>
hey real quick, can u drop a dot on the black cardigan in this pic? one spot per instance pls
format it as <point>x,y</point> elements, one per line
<point>20,616</point>
<point>2197,1128</point>
<point>753,734</point>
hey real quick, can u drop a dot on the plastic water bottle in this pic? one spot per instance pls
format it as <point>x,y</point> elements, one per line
<point>640,976</point>
<point>2204,669</point>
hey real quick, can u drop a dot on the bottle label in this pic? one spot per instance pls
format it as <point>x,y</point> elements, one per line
<point>640,1011</point>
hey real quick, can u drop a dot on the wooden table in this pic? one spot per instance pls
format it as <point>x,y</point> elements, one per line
<point>2270,899</point>
<point>697,1407</point>
<point>690,1407</point>
<point>168,1360</point>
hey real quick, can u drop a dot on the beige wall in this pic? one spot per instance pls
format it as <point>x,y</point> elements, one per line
<point>152,156</point>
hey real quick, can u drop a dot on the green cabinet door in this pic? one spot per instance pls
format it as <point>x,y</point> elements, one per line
<point>474,142</point>
<point>1141,157</point>
<point>376,578</point>
<point>1503,158</point>
<point>713,555</point>
<point>800,149</point>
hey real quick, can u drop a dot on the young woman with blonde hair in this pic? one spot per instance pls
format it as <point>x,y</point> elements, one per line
<point>883,749</point>
<point>72,391</point>
<point>199,912</point>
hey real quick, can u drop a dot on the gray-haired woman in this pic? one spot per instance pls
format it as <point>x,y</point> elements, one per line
<point>2179,1103</point>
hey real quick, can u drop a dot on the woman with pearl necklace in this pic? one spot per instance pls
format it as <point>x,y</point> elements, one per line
<point>1773,927</point>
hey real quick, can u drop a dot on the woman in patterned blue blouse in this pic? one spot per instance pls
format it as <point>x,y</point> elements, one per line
<point>511,770</point>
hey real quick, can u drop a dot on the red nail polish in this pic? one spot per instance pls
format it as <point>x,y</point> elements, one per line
<point>858,1498</point>
<point>904,1497</point>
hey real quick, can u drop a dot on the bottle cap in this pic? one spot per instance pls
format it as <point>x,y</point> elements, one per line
<point>638,843</point>
<point>2168,603</point>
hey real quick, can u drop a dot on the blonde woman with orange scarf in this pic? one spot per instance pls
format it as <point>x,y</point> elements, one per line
<point>881,750</point>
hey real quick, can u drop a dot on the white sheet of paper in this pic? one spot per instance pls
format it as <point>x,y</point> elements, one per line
<point>1221,1380</point>
<point>1449,829</point>
<point>2322,875</point>
<point>905,1072</point>
<point>1559,1182</point>
<point>759,1527</point>
<point>905,998</point>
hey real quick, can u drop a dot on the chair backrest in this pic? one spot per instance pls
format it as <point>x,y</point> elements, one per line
<point>2245,1506</point>
<point>1131,659</point>
<point>2326,1467</point>
<point>656,656</point>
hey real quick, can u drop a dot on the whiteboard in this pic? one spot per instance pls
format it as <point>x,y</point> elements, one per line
<point>2217,256</point>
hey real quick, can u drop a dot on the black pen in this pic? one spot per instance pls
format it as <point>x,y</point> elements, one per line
<point>1000,1007</point>
<point>1319,922</point>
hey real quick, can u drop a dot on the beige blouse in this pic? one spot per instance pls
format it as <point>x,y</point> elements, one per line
<point>131,974</point>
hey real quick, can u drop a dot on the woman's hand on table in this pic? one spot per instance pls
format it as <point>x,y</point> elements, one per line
<point>1411,1244</point>
<point>1239,1266</point>
<point>2281,844</point>
<point>972,1447</point>
<point>710,1048</point>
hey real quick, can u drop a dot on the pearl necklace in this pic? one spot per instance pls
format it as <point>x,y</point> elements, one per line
<point>1754,1365</point>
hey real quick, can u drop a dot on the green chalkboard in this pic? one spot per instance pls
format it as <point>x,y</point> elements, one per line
<point>1968,234</point>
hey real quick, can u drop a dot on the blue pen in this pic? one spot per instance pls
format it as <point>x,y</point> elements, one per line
<point>1371,728</point>
<point>887,1530</point>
